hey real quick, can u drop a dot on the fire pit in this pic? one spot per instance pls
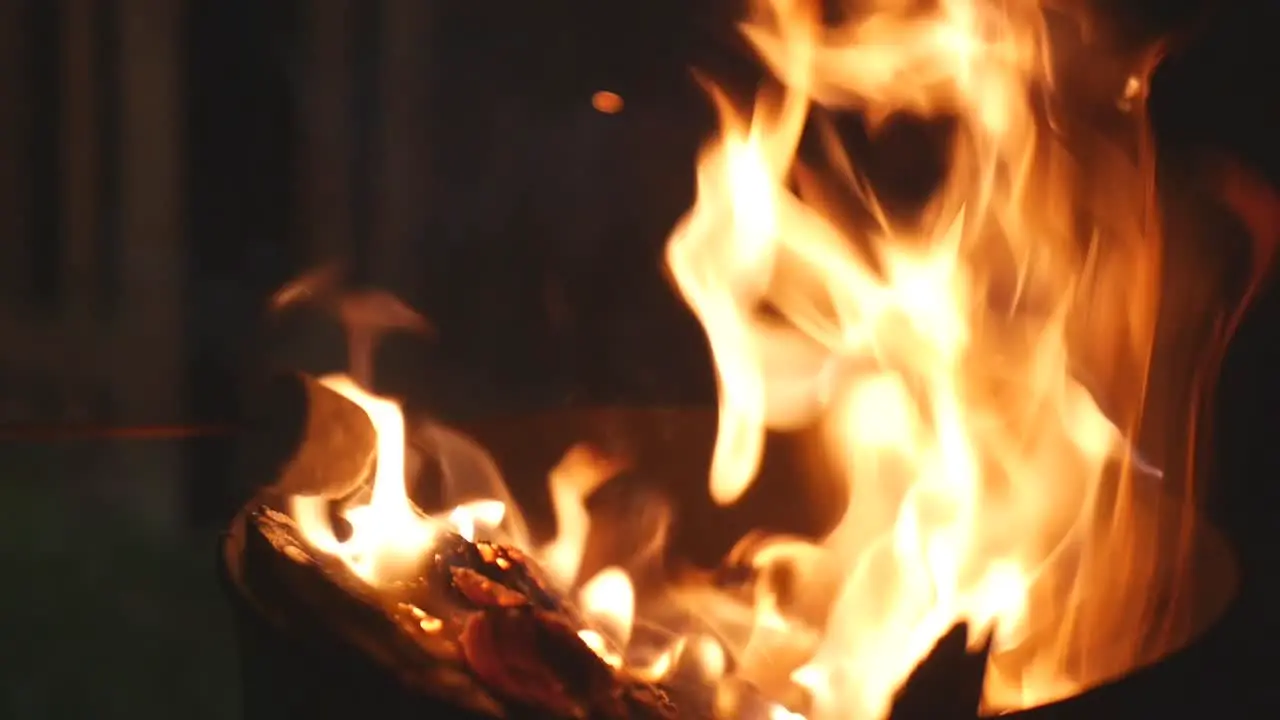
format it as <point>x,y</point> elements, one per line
<point>313,648</point>
<point>434,640</point>
<point>931,416</point>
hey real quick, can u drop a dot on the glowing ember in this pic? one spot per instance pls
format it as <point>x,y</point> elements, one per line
<point>608,600</point>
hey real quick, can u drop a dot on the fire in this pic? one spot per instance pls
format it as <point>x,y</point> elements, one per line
<point>975,372</point>
<point>608,600</point>
<point>387,533</point>
<point>938,356</point>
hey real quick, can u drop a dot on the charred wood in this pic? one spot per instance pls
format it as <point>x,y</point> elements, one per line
<point>474,637</point>
<point>947,684</point>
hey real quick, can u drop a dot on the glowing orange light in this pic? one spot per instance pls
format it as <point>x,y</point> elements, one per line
<point>609,103</point>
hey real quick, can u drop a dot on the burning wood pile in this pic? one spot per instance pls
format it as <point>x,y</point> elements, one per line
<point>473,627</point>
<point>469,624</point>
<point>973,375</point>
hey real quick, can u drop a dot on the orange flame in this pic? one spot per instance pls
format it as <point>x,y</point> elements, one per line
<point>388,534</point>
<point>940,359</point>
<point>938,356</point>
<point>608,601</point>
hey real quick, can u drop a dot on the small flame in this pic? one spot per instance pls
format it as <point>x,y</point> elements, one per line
<point>485,514</point>
<point>388,533</point>
<point>608,602</point>
<point>579,473</point>
<point>664,664</point>
<point>710,656</point>
<point>609,103</point>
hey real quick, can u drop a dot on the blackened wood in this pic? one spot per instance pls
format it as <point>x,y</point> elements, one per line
<point>306,439</point>
<point>947,685</point>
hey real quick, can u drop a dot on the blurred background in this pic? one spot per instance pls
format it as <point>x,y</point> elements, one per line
<point>165,165</point>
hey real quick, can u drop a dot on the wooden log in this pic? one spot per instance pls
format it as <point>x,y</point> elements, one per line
<point>306,439</point>
<point>443,647</point>
<point>318,643</point>
<point>314,597</point>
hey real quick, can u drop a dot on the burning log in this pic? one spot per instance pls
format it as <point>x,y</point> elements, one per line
<point>478,636</point>
<point>317,599</point>
<point>488,574</point>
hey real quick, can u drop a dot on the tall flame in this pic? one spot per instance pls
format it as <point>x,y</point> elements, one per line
<point>975,372</point>
<point>940,355</point>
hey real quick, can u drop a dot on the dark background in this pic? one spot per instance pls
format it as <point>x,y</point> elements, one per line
<point>166,165</point>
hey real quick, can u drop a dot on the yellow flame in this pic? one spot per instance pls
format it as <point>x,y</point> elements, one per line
<point>487,514</point>
<point>934,354</point>
<point>937,356</point>
<point>388,532</point>
<point>709,655</point>
<point>608,602</point>
<point>390,535</point>
<point>570,482</point>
